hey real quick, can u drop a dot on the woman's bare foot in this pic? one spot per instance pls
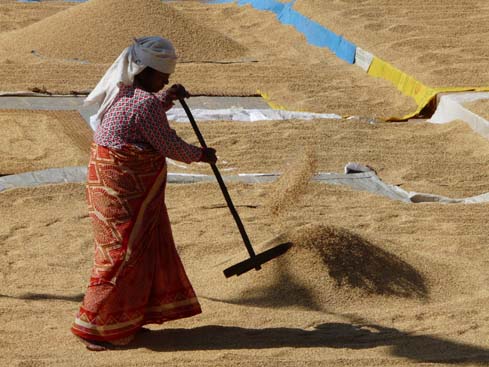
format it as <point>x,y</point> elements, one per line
<point>93,345</point>
<point>99,346</point>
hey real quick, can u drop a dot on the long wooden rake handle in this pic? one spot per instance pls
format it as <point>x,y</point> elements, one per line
<point>219,179</point>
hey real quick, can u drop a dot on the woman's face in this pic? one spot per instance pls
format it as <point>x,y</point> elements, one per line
<point>152,80</point>
<point>160,80</point>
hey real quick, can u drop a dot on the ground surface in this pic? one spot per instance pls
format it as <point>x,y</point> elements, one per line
<point>426,305</point>
<point>368,282</point>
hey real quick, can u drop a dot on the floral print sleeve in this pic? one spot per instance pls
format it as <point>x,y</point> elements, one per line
<point>155,128</point>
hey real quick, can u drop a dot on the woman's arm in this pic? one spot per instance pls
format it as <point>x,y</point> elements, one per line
<point>165,99</point>
<point>153,124</point>
<point>173,93</point>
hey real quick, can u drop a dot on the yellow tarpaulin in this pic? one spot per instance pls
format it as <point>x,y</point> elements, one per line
<point>410,86</point>
<point>406,84</point>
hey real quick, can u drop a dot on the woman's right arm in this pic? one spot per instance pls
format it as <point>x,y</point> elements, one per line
<point>155,128</point>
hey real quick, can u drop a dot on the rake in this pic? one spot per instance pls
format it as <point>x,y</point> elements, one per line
<point>255,261</point>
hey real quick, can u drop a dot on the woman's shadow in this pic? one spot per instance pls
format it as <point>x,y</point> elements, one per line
<point>329,335</point>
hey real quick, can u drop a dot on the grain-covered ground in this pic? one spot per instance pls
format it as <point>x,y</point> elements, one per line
<point>444,159</point>
<point>231,50</point>
<point>447,159</point>
<point>439,43</point>
<point>368,282</point>
<point>36,140</point>
<point>15,15</point>
<point>480,108</point>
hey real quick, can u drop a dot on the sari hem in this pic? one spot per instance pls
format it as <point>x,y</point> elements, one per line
<point>151,319</point>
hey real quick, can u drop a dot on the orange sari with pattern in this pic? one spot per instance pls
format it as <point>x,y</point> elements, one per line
<point>137,276</point>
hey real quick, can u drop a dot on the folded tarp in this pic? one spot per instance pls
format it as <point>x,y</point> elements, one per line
<point>450,108</point>
<point>411,87</point>
<point>406,84</point>
<point>365,181</point>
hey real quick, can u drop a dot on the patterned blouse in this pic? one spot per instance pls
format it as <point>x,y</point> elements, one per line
<point>138,117</point>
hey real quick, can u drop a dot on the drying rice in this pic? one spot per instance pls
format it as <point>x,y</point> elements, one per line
<point>455,167</point>
<point>16,15</point>
<point>37,140</point>
<point>326,262</point>
<point>225,50</point>
<point>368,281</point>
<point>293,183</point>
<point>97,32</point>
<point>436,42</point>
<point>360,263</point>
<point>480,108</point>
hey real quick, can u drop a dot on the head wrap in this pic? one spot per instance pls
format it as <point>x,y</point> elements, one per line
<point>155,52</point>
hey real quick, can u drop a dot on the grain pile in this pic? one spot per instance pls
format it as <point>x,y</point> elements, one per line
<point>36,140</point>
<point>354,262</point>
<point>326,263</point>
<point>15,15</point>
<point>319,82</point>
<point>97,32</point>
<point>352,250</point>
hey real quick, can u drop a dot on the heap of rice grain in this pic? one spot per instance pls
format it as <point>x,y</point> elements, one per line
<point>326,267</point>
<point>98,30</point>
<point>293,183</point>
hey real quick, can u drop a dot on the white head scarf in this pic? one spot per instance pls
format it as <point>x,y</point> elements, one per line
<point>155,52</point>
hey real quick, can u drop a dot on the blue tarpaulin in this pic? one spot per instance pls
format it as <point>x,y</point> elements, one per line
<point>315,33</point>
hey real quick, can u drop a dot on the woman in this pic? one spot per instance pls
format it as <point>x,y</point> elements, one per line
<point>137,276</point>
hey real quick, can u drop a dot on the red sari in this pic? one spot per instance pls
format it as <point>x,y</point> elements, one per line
<point>137,276</point>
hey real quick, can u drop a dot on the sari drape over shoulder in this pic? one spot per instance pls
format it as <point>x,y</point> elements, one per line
<point>137,276</point>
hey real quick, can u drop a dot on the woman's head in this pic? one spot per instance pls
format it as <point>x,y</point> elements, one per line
<point>152,57</point>
<point>158,57</point>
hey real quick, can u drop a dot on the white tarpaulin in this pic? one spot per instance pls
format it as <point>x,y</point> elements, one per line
<point>450,108</point>
<point>244,115</point>
<point>363,59</point>
<point>364,181</point>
